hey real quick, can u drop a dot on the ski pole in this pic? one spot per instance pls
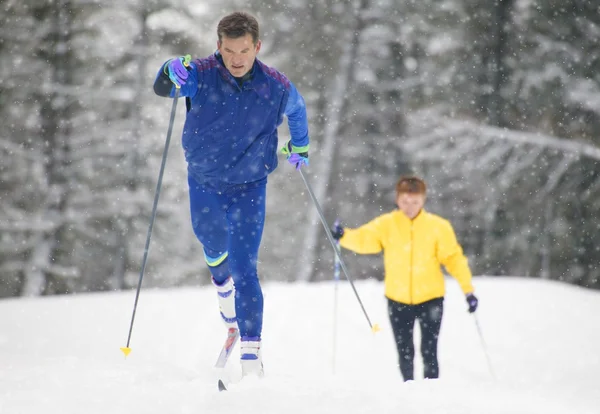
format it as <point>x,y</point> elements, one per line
<point>375,327</point>
<point>126,350</point>
<point>483,345</point>
<point>336,279</point>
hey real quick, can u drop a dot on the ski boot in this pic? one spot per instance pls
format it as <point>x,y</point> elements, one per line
<point>226,293</point>
<point>250,357</point>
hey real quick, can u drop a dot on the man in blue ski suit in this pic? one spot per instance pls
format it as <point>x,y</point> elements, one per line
<point>234,105</point>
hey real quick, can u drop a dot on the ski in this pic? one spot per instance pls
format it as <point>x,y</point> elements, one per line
<point>233,335</point>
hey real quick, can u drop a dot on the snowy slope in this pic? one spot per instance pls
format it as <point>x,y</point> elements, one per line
<point>61,354</point>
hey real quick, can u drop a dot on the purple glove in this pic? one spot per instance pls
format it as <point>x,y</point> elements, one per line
<point>472,302</point>
<point>297,159</point>
<point>177,70</point>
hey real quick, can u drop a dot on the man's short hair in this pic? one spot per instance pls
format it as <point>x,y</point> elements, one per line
<point>238,24</point>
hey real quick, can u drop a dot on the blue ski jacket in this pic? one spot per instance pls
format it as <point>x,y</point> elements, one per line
<point>230,131</point>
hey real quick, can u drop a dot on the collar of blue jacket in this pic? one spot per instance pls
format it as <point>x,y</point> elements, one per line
<point>248,81</point>
<point>239,80</point>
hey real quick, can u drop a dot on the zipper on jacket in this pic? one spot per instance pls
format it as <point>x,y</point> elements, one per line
<point>411,261</point>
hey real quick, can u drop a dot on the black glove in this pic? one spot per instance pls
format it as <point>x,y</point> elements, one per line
<point>337,231</point>
<point>472,302</point>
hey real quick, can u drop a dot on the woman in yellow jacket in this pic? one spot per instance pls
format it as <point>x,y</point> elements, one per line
<point>415,244</point>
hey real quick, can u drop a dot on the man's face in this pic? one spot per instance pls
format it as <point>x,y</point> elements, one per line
<point>410,204</point>
<point>238,54</point>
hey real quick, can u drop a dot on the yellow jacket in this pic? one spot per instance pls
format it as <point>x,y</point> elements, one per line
<point>414,251</point>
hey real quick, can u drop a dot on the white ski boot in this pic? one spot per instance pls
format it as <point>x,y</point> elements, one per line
<point>251,357</point>
<point>226,293</point>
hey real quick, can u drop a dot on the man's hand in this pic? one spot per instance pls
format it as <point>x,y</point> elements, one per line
<point>295,156</point>
<point>472,302</point>
<point>177,70</point>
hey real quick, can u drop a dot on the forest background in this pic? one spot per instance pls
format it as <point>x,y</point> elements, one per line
<point>495,103</point>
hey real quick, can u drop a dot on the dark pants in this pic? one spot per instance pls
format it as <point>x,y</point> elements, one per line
<point>402,318</point>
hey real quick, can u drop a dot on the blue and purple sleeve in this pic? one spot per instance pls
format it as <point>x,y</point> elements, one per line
<point>295,110</point>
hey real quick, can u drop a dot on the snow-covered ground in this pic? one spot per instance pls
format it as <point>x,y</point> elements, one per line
<point>61,354</point>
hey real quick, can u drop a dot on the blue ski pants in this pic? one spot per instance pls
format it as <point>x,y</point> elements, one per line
<point>229,224</point>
